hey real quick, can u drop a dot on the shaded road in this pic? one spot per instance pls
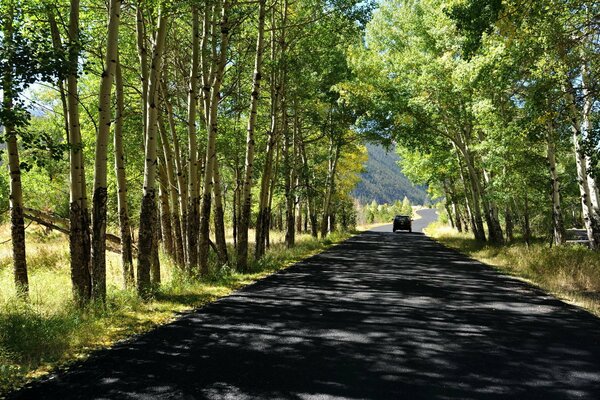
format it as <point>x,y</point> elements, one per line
<point>381,316</point>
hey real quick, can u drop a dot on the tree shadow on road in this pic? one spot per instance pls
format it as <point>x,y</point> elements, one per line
<point>372,318</point>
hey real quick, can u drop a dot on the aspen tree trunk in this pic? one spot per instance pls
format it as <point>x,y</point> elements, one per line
<point>262,224</point>
<point>219,217</point>
<point>310,203</point>
<point>155,259</point>
<point>274,175</point>
<point>298,201</point>
<point>181,180</point>
<point>334,153</point>
<point>126,245</point>
<point>586,130</point>
<point>140,30</point>
<point>589,216</point>
<point>79,237</point>
<point>173,194</point>
<point>210,172</point>
<point>526,224</point>
<point>17,225</point>
<point>100,166</point>
<point>290,206</point>
<point>193,191</point>
<point>447,204</point>
<point>207,27</point>
<point>469,198</point>
<point>166,228</point>
<point>148,209</point>
<point>244,223</point>
<point>475,191</point>
<point>558,226</point>
<point>58,48</point>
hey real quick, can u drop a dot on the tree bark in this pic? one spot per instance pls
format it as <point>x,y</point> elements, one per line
<point>262,218</point>
<point>181,181</point>
<point>219,217</point>
<point>193,190</point>
<point>126,252</point>
<point>100,166</point>
<point>589,216</point>
<point>558,226</point>
<point>148,209</point>
<point>334,152</point>
<point>172,185</point>
<point>211,147</point>
<point>17,226</point>
<point>79,238</point>
<point>244,223</point>
<point>166,227</point>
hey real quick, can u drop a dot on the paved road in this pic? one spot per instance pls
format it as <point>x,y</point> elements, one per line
<point>381,316</point>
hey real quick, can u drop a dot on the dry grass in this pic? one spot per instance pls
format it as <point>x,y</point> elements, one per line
<point>569,272</point>
<point>49,331</point>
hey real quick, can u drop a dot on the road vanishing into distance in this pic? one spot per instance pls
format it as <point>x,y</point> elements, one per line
<point>381,316</point>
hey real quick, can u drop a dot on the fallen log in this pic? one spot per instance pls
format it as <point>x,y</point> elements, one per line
<point>62,225</point>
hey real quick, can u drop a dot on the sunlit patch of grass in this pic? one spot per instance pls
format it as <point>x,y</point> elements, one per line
<point>569,272</point>
<point>49,330</point>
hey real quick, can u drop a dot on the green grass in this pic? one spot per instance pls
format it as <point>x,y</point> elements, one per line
<point>49,331</point>
<point>569,272</point>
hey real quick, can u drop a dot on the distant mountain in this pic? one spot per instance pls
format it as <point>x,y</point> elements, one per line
<point>384,182</point>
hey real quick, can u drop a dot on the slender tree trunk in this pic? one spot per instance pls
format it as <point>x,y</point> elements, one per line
<point>559,233</point>
<point>155,262</point>
<point>219,217</point>
<point>175,216</point>
<point>142,48</point>
<point>126,246</point>
<point>79,239</point>
<point>16,192</point>
<point>589,216</point>
<point>100,167</point>
<point>192,103</point>
<point>475,191</point>
<point>310,203</point>
<point>334,152</point>
<point>526,224</point>
<point>586,130</point>
<point>269,214</point>
<point>509,224</point>
<point>290,179</point>
<point>166,227</point>
<point>148,209</point>
<point>181,181</point>
<point>244,223</point>
<point>262,225</point>
<point>211,148</point>
<point>58,49</point>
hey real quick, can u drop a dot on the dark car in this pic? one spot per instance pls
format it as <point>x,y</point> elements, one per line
<point>402,222</point>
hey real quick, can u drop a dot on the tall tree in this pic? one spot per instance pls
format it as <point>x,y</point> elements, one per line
<point>246,201</point>
<point>100,171</point>
<point>148,208</point>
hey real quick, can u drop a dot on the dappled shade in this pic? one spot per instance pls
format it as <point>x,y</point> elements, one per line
<point>381,316</point>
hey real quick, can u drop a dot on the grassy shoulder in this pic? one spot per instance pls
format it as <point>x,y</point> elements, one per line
<point>49,331</point>
<point>571,273</point>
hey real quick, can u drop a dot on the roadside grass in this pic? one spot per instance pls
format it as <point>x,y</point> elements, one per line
<point>49,331</point>
<point>571,273</point>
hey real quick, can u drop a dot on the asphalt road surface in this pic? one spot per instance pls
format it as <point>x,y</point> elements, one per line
<point>381,316</point>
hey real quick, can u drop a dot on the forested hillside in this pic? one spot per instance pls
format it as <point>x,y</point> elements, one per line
<point>383,180</point>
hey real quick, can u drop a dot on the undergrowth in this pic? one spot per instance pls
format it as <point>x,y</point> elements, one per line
<point>571,272</point>
<point>49,331</point>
